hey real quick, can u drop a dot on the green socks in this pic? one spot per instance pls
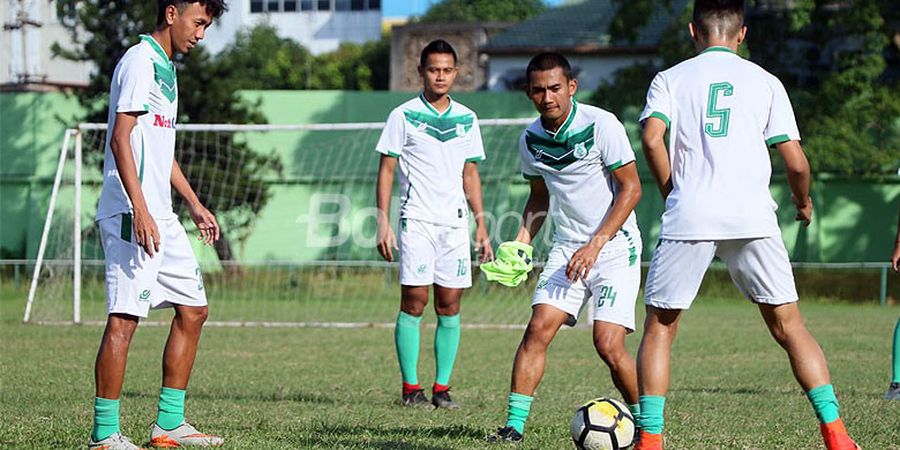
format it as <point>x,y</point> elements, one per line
<point>171,408</point>
<point>106,418</point>
<point>446,343</point>
<point>636,413</point>
<point>651,411</point>
<point>824,403</point>
<point>406,337</point>
<point>896,378</point>
<point>517,411</point>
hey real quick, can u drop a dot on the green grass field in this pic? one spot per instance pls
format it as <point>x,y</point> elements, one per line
<point>337,388</point>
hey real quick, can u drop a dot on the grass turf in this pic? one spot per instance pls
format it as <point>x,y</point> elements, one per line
<point>337,388</point>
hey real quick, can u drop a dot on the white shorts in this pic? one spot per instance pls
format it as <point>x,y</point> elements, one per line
<point>434,254</point>
<point>611,286</point>
<point>759,267</point>
<point>135,282</point>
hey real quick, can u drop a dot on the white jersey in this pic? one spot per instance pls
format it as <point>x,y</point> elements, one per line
<point>432,148</point>
<point>576,164</point>
<point>723,112</point>
<point>144,82</point>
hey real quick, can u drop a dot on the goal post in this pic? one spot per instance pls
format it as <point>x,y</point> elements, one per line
<point>296,203</point>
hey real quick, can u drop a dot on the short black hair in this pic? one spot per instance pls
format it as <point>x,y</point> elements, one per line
<point>548,61</point>
<point>436,46</point>
<point>718,17</point>
<point>215,8</point>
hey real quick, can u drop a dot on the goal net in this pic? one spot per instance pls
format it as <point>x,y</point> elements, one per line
<point>297,208</point>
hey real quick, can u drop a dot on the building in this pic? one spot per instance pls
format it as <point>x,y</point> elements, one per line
<point>407,42</point>
<point>319,25</point>
<point>579,30</point>
<point>30,28</point>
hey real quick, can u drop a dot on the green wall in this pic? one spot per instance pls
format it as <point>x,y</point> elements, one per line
<point>854,220</point>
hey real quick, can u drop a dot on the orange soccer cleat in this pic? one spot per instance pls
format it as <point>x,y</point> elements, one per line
<point>649,441</point>
<point>836,436</point>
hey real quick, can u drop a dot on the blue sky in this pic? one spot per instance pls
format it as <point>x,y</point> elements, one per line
<point>403,8</point>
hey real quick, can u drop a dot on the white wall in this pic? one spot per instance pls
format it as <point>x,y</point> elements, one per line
<point>35,58</point>
<point>318,31</point>
<point>593,68</point>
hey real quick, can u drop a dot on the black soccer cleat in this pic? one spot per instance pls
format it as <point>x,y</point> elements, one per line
<point>504,435</point>
<point>893,392</point>
<point>442,400</point>
<point>415,399</point>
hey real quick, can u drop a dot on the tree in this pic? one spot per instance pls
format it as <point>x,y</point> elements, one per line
<point>835,58</point>
<point>101,32</point>
<point>482,10</point>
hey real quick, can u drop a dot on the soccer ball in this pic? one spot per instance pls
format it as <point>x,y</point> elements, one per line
<point>603,424</point>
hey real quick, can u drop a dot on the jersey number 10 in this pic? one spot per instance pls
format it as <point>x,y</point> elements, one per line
<point>722,114</point>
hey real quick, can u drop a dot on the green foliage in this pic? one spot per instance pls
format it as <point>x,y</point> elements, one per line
<point>260,59</point>
<point>448,11</point>
<point>836,61</point>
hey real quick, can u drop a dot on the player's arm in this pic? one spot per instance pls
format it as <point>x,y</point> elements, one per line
<point>654,144</point>
<point>798,175</point>
<point>627,197</point>
<point>386,239</point>
<point>204,219</point>
<point>146,234</point>
<point>472,188</point>
<point>535,211</point>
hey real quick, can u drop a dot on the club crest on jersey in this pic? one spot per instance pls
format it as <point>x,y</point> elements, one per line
<point>460,130</point>
<point>422,126</point>
<point>580,150</point>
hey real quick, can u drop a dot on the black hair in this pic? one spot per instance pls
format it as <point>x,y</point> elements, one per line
<point>548,61</point>
<point>215,8</point>
<point>718,17</point>
<point>436,46</point>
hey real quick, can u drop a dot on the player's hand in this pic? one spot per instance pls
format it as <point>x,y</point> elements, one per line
<point>804,210</point>
<point>895,258</point>
<point>581,262</point>
<point>206,222</point>
<point>146,235</point>
<point>483,245</point>
<point>387,241</point>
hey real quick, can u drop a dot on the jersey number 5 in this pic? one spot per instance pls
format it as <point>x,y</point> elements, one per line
<point>722,114</point>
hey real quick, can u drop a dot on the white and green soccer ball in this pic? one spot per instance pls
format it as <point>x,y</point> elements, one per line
<point>603,424</point>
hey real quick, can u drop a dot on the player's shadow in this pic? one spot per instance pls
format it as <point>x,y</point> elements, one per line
<point>278,396</point>
<point>723,390</point>
<point>391,437</point>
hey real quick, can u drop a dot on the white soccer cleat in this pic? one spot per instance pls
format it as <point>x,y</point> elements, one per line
<point>183,436</point>
<point>114,442</point>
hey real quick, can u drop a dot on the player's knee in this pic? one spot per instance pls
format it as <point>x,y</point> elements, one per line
<point>193,316</point>
<point>120,328</point>
<point>538,335</point>
<point>609,348</point>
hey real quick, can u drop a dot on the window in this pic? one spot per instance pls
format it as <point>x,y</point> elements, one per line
<point>256,6</point>
<point>290,5</point>
<point>342,5</point>
<point>357,5</point>
<point>324,5</point>
<point>306,5</point>
<point>272,6</point>
<point>374,5</point>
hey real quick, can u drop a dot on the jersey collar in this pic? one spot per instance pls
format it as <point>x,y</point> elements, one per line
<point>560,134</point>
<point>718,48</point>
<point>155,45</point>
<point>432,109</point>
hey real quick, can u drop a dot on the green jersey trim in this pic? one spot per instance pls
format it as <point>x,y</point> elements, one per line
<point>559,154</point>
<point>531,177</point>
<point>432,108</point>
<point>441,128</point>
<point>149,39</point>
<point>718,48</point>
<point>612,167</point>
<point>662,117</point>
<point>475,159</point>
<point>561,132</point>
<point>141,170</point>
<point>391,154</point>
<point>777,140</point>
